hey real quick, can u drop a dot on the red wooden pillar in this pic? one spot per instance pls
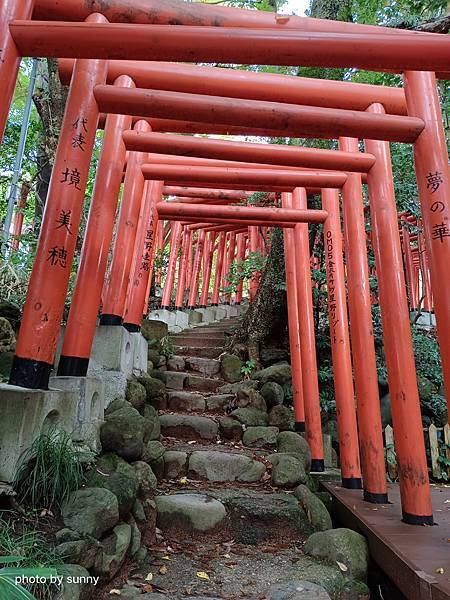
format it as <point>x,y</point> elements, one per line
<point>175,238</point>
<point>209,254</point>
<point>10,10</point>
<point>144,254</point>
<point>362,341</point>
<point>307,339</point>
<point>198,259</point>
<point>406,417</point>
<point>219,264</point>
<point>18,216</point>
<point>159,252</point>
<point>293,323</point>
<point>182,268</point>
<point>253,246</point>
<point>427,302</point>
<point>133,189</point>
<point>431,164</point>
<point>223,277</point>
<point>231,256</point>
<point>409,267</point>
<point>44,305</point>
<point>340,343</point>
<point>241,249</point>
<point>83,313</point>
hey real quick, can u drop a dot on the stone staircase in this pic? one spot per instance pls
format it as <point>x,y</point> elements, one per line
<point>234,491</point>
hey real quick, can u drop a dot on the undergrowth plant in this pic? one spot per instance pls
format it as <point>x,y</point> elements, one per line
<point>51,469</point>
<point>24,552</point>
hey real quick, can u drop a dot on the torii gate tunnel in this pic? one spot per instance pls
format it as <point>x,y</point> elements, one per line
<point>113,85</point>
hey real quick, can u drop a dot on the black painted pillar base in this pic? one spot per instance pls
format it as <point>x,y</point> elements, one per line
<point>30,374</point>
<point>317,465</point>
<point>375,498</point>
<point>132,327</point>
<point>300,426</point>
<point>352,483</point>
<point>115,320</point>
<point>417,519</point>
<point>72,366</point>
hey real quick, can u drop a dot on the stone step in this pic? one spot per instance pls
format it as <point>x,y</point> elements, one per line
<point>202,384</point>
<point>204,366</point>
<point>182,402</point>
<point>188,427</point>
<point>199,351</point>
<point>247,516</point>
<point>198,341</point>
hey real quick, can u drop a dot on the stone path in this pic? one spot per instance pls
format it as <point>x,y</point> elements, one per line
<point>231,516</point>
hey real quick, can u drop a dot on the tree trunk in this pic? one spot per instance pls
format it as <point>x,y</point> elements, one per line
<point>50,101</point>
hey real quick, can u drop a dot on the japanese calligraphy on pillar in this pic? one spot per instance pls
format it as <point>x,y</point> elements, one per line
<point>331,286</point>
<point>440,229</point>
<point>148,247</point>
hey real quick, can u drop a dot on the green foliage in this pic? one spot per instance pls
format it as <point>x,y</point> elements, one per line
<point>248,368</point>
<point>51,469</point>
<point>244,270</point>
<point>25,552</point>
<point>428,360</point>
<point>166,347</point>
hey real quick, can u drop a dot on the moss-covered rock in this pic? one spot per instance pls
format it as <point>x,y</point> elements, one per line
<point>316,511</point>
<point>230,368</point>
<point>293,443</point>
<point>251,417</point>
<point>287,470</point>
<point>7,336</point>
<point>115,474</point>
<point>343,545</point>
<point>280,373</point>
<point>272,393</point>
<point>123,433</point>
<point>135,394</point>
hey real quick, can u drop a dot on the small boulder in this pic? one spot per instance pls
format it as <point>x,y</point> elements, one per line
<point>123,433</point>
<point>426,388</point>
<point>135,394</point>
<point>196,512</point>
<point>282,417</point>
<point>315,509</point>
<point>293,443</point>
<point>230,429</point>
<point>153,356</point>
<point>270,356</point>
<point>233,388</point>
<point>287,470</point>
<point>115,548</point>
<point>153,455</point>
<point>153,329</point>
<point>273,393</point>
<point>188,427</point>
<point>175,380</point>
<point>146,479</point>
<point>83,552</point>
<point>219,402</point>
<point>7,336</point>
<point>298,590</point>
<point>280,373</point>
<point>222,466</point>
<point>91,511</point>
<point>185,402</point>
<point>250,417</point>
<point>248,397</point>
<point>6,361</point>
<point>261,437</point>
<point>329,577</point>
<point>230,368</point>
<point>115,474</point>
<point>136,537</point>
<point>175,464</point>
<point>176,363</point>
<point>154,388</point>
<point>343,545</point>
<point>116,404</point>
<point>152,426</point>
<point>75,584</point>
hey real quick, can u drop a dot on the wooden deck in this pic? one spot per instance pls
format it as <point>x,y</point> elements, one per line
<point>410,555</point>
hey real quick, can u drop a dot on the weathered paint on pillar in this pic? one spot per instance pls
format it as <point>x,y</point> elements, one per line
<point>218,272</point>
<point>340,343</point>
<point>44,305</point>
<point>10,10</point>
<point>209,254</point>
<point>241,250</point>
<point>293,324</point>
<point>119,273</point>
<point>198,259</point>
<point>175,239</point>
<point>253,247</point>
<point>84,307</point>
<point>362,340</point>
<point>144,254</point>
<point>307,339</point>
<point>230,261</point>
<point>433,181</point>
<point>159,252</point>
<point>405,406</point>
<point>182,268</point>
<point>18,216</point>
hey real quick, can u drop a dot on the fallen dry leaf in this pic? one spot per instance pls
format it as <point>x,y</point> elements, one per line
<point>163,570</point>
<point>114,592</point>
<point>440,571</point>
<point>203,575</point>
<point>149,577</point>
<point>342,566</point>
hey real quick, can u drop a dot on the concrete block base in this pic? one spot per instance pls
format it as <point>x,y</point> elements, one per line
<point>208,314</point>
<point>195,317</point>
<point>90,407</point>
<point>113,349</point>
<point>426,320</point>
<point>140,353</point>
<point>115,382</point>
<point>164,315</point>
<point>222,312</point>
<point>24,414</point>
<point>182,319</point>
